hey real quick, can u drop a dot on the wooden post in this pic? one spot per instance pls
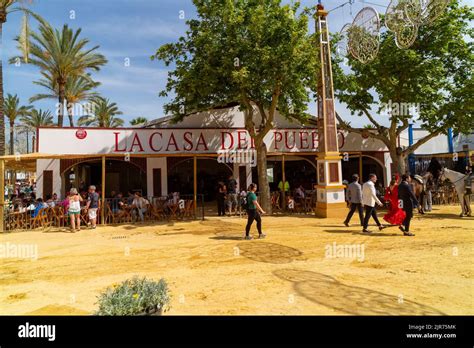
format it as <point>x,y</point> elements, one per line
<point>195,183</point>
<point>283,179</point>
<point>360,168</point>
<point>102,207</point>
<point>2,195</point>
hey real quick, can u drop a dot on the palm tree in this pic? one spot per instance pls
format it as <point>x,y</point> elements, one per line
<point>138,120</point>
<point>77,89</point>
<point>61,55</point>
<point>6,8</point>
<point>104,115</point>
<point>13,110</point>
<point>37,118</point>
<point>34,119</point>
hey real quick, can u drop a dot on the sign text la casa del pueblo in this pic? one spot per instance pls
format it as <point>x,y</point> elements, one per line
<point>172,141</point>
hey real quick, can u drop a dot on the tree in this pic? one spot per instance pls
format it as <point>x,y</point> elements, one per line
<point>61,55</point>
<point>256,53</point>
<point>13,110</point>
<point>77,89</point>
<point>104,115</point>
<point>34,119</point>
<point>138,120</point>
<point>37,118</point>
<point>7,7</point>
<point>434,74</point>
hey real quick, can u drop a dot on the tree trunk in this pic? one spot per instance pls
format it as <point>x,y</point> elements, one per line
<point>2,117</point>
<point>398,162</point>
<point>70,115</point>
<point>12,139</point>
<point>263,187</point>
<point>12,150</point>
<point>62,100</point>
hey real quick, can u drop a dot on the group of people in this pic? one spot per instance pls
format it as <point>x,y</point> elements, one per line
<point>399,195</point>
<point>227,196</point>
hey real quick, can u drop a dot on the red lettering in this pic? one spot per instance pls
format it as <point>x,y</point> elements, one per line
<point>189,141</point>
<point>223,134</point>
<point>150,141</point>
<point>304,140</point>
<point>242,140</point>
<point>136,142</point>
<point>172,142</point>
<point>278,138</point>
<point>117,143</point>
<point>288,147</point>
<point>201,141</point>
<point>314,138</point>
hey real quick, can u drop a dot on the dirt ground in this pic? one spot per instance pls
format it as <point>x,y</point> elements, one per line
<point>211,270</point>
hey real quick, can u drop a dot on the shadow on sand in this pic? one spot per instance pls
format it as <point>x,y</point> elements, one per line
<point>327,291</point>
<point>268,252</point>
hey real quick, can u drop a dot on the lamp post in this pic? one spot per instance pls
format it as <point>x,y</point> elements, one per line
<point>330,191</point>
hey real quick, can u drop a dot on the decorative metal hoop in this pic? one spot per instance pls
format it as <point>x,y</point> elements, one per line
<point>364,35</point>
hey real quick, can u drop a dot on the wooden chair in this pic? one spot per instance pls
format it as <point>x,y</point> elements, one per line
<point>154,213</point>
<point>109,215</point>
<point>60,219</point>
<point>38,220</point>
<point>189,209</point>
<point>275,200</point>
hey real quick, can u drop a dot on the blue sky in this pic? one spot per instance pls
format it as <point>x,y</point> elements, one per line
<point>131,30</point>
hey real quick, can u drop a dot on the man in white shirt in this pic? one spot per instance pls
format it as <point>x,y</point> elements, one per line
<point>140,205</point>
<point>369,200</point>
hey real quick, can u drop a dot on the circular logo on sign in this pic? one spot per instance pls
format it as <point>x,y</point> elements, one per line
<point>81,134</point>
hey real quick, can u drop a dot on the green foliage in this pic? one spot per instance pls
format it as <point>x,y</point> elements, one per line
<point>12,108</point>
<point>61,55</point>
<point>37,118</point>
<point>138,120</point>
<point>436,73</point>
<point>250,52</point>
<point>104,114</point>
<point>134,296</point>
<point>77,88</point>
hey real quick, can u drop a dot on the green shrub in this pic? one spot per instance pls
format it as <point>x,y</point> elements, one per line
<point>136,296</point>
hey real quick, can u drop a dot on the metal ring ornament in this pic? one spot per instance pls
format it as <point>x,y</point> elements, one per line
<point>364,35</point>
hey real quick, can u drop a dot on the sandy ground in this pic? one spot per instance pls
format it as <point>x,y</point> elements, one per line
<point>211,270</point>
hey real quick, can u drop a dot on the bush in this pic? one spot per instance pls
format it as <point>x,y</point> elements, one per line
<point>136,296</point>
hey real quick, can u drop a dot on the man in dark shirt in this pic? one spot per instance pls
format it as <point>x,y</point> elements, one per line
<point>232,194</point>
<point>92,206</point>
<point>408,202</point>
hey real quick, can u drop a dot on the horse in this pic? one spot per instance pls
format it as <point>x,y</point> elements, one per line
<point>461,185</point>
<point>419,189</point>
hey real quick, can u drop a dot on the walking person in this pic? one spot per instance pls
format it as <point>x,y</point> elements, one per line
<point>92,206</point>
<point>74,209</point>
<point>354,195</point>
<point>408,202</point>
<point>395,215</point>
<point>221,193</point>
<point>369,200</point>
<point>253,212</point>
<point>232,194</point>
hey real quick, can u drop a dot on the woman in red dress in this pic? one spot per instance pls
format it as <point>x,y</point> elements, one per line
<point>395,215</point>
